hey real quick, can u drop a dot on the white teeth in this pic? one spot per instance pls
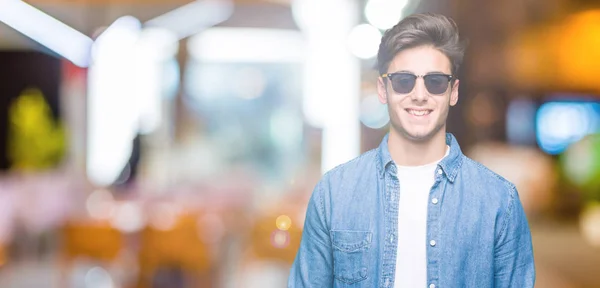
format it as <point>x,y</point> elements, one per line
<point>419,112</point>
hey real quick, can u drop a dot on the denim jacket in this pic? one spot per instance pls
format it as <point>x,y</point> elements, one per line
<point>480,231</point>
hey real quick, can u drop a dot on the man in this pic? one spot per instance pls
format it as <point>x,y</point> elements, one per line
<point>415,212</point>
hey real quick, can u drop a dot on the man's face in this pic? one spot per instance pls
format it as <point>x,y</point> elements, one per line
<point>418,115</point>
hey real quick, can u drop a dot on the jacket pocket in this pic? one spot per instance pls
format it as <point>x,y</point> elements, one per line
<point>351,255</point>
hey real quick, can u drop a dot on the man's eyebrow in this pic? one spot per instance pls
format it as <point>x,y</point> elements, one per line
<point>436,72</point>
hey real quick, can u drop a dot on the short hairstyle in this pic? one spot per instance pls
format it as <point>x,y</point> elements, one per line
<point>415,30</point>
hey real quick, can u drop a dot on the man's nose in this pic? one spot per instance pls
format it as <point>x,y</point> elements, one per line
<point>420,91</point>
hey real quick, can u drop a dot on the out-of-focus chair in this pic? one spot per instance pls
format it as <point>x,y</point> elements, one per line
<point>96,240</point>
<point>93,240</point>
<point>179,246</point>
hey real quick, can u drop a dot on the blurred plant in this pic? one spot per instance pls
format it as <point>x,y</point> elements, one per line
<point>581,166</point>
<point>36,141</point>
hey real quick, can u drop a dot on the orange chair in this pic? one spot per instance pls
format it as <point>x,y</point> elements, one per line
<point>96,240</point>
<point>180,246</point>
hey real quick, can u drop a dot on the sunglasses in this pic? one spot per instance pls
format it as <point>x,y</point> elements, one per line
<point>404,83</point>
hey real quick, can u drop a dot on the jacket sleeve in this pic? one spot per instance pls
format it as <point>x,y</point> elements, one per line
<point>513,251</point>
<point>313,265</point>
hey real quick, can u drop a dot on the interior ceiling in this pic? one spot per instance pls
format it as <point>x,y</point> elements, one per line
<point>87,16</point>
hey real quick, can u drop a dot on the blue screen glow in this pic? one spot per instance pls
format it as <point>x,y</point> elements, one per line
<point>560,124</point>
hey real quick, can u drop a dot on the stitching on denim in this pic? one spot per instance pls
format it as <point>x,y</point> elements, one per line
<point>359,246</point>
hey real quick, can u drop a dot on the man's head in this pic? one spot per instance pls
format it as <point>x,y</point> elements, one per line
<point>418,61</point>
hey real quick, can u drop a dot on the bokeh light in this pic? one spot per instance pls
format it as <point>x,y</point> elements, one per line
<point>384,14</point>
<point>280,239</point>
<point>560,124</point>
<point>100,204</point>
<point>364,40</point>
<point>128,217</point>
<point>283,222</point>
<point>373,113</point>
<point>581,163</point>
<point>590,224</point>
<point>164,216</point>
<point>97,277</point>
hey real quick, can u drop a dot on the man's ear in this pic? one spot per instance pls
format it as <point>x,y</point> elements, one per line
<point>381,91</point>
<point>454,93</point>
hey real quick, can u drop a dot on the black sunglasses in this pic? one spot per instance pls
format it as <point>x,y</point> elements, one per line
<point>404,82</point>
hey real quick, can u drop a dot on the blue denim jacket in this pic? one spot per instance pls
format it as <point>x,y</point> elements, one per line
<point>481,233</point>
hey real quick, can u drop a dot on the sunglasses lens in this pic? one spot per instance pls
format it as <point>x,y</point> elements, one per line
<point>436,84</point>
<point>403,83</point>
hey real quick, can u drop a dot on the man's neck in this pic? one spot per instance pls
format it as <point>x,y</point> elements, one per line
<point>405,152</point>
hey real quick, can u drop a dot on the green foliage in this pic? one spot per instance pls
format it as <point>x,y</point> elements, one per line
<point>36,141</point>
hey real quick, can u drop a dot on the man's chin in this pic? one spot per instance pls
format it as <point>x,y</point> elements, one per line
<point>419,137</point>
<point>416,134</point>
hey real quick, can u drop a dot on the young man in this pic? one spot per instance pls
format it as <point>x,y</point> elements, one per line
<point>415,212</point>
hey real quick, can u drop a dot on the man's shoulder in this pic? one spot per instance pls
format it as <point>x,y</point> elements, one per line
<point>355,179</point>
<point>349,173</point>
<point>477,174</point>
<point>353,167</point>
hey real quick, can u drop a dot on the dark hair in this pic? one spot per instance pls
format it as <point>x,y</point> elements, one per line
<point>436,30</point>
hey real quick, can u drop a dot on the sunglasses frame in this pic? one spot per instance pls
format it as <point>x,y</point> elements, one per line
<point>389,76</point>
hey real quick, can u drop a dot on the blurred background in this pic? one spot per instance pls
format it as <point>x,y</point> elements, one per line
<point>154,143</point>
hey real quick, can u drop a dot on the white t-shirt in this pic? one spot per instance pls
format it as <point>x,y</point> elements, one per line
<point>411,256</point>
